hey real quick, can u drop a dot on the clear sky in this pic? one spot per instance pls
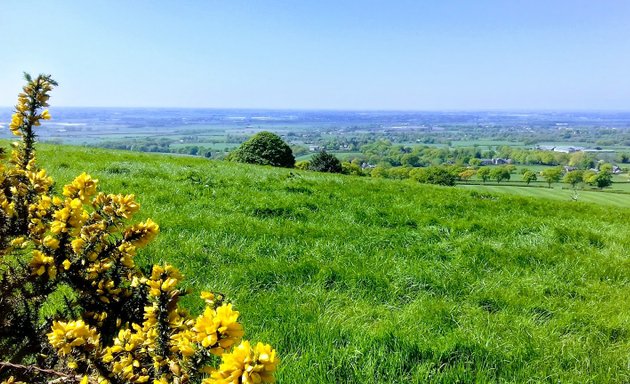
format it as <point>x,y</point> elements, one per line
<point>322,54</point>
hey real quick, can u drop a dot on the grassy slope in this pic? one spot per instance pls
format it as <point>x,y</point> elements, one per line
<point>364,280</point>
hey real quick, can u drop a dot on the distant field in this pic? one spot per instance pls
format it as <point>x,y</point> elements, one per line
<point>360,280</point>
<point>340,155</point>
<point>556,193</point>
<point>485,144</point>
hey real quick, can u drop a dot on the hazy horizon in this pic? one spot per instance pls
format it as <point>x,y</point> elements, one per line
<point>506,110</point>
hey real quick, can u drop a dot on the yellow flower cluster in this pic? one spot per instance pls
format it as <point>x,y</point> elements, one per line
<point>213,331</point>
<point>70,218</point>
<point>163,279</point>
<point>122,356</point>
<point>246,365</point>
<point>33,97</point>
<point>81,188</point>
<point>67,335</point>
<point>66,234</point>
<point>118,206</point>
<point>142,233</point>
<point>17,120</point>
<point>40,181</point>
<point>218,329</point>
<point>41,263</point>
<point>212,299</point>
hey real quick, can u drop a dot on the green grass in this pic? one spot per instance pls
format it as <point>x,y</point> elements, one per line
<point>556,193</point>
<point>379,281</point>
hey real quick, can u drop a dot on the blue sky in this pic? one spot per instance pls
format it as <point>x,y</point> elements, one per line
<point>400,55</point>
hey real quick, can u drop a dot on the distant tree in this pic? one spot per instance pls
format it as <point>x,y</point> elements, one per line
<point>351,169</point>
<point>325,162</point>
<point>602,179</point>
<point>467,174</point>
<point>581,160</point>
<point>264,148</point>
<point>499,174</point>
<point>399,173</point>
<point>434,175</point>
<point>410,160</point>
<point>551,175</point>
<point>606,167</point>
<point>573,178</point>
<point>623,158</point>
<point>510,168</point>
<point>484,173</point>
<point>298,150</point>
<point>380,172</point>
<point>588,177</point>
<point>529,176</point>
<point>474,162</point>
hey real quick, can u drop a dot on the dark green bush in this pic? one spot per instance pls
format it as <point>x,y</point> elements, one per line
<point>264,148</point>
<point>325,162</point>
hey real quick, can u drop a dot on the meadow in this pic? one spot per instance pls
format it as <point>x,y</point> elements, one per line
<point>616,198</point>
<point>382,281</point>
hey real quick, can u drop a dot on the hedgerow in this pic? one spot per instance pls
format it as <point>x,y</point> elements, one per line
<point>75,306</point>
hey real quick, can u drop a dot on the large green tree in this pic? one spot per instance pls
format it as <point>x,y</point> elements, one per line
<point>264,148</point>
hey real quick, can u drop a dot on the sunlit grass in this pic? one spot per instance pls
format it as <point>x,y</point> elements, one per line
<point>379,281</point>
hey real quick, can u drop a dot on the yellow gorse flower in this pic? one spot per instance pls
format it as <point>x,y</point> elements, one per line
<point>81,188</point>
<point>17,120</point>
<point>67,335</point>
<point>163,279</point>
<point>246,365</point>
<point>218,329</point>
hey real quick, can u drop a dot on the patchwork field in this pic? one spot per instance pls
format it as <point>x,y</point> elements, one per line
<point>380,281</point>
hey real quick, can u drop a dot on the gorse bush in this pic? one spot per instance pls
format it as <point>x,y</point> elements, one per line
<point>74,305</point>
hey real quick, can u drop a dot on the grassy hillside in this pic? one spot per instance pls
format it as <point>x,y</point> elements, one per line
<point>366,280</point>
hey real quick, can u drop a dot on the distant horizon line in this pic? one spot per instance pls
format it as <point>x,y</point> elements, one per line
<point>504,110</point>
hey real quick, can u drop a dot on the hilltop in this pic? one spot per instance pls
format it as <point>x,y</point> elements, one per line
<point>370,280</point>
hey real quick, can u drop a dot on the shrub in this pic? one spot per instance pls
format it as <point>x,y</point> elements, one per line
<point>264,148</point>
<point>325,162</point>
<point>113,323</point>
<point>351,169</point>
<point>303,165</point>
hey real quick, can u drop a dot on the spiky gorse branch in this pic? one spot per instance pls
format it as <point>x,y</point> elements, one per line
<point>116,324</point>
